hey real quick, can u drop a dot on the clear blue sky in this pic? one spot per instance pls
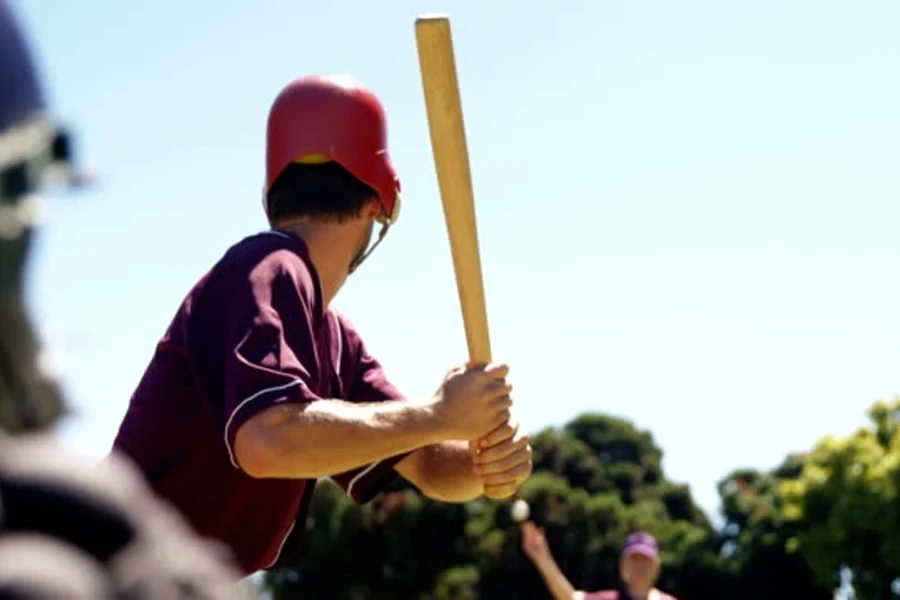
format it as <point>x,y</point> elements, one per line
<point>688,211</point>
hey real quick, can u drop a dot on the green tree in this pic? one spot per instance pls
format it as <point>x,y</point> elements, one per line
<point>611,482</point>
<point>755,537</point>
<point>596,479</point>
<point>394,547</point>
<point>457,583</point>
<point>844,505</point>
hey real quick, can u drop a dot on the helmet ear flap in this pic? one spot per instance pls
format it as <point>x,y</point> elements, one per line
<point>395,213</point>
<point>390,219</point>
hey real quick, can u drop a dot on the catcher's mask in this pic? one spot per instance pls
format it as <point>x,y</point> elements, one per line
<point>33,152</point>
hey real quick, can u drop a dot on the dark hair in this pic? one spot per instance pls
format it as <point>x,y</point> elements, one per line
<point>320,191</point>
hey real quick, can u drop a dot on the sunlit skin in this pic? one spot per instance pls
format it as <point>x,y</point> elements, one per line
<point>638,573</point>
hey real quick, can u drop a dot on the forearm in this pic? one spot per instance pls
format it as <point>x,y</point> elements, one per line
<point>443,471</point>
<point>556,582</point>
<point>326,437</point>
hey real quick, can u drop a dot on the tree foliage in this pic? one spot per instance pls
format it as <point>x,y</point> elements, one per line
<point>844,506</point>
<point>755,536</point>
<point>787,533</point>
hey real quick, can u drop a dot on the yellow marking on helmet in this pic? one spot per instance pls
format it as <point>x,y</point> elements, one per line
<point>312,159</point>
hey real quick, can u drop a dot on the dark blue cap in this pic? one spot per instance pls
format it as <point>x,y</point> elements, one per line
<point>21,96</point>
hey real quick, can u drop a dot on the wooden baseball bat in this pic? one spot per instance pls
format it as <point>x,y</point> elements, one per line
<point>451,160</point>
<point>443,106</point>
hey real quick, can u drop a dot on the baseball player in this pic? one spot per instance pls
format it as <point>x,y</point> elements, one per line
<point>259,387</point>
<point>68,530</point>
<point>638,568</point>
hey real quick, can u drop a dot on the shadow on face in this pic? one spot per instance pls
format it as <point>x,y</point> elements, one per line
<point>639,570</point>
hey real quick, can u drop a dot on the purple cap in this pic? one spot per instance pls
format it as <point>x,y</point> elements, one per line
<point>641,543</point>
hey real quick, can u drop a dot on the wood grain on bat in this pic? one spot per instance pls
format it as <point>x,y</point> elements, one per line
<point>451,157</point>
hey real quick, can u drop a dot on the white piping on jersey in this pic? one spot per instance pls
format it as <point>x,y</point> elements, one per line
<point>340,343</point>
<point>359,476</point>
<point>281,545</point>
<point>276,232</point>
<point>277,388</point>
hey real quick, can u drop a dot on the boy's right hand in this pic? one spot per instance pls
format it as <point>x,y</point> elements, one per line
<point>472,401</point>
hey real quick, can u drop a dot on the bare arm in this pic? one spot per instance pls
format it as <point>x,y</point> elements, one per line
<point>326,437</point>
<point>534,544</point>
<point>556,581</point>
<point>277,426</point>
<point>443,472</point>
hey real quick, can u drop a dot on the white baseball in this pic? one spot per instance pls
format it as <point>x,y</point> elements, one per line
<point>520,510</point>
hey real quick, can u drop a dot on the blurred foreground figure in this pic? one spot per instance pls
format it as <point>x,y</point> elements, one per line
<point>68,530</point>
<point>638,568</point>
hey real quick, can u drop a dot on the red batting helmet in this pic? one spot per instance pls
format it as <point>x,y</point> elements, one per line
<point>324,118</point>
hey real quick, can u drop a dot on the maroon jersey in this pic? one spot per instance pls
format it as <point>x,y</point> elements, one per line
<point>252,333</point>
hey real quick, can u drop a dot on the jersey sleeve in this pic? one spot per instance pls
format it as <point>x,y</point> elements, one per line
<point>271,344</point>
<point>368,383</point>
